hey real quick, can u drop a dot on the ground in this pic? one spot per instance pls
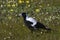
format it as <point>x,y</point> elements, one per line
<point>44,11</point>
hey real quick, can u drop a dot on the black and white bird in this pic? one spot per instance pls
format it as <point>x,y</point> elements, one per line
<point>31,23</point>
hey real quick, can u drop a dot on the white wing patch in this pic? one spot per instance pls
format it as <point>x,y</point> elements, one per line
<point>31,20</point>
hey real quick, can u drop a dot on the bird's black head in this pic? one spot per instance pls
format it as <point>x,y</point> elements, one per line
<point>23,15</point>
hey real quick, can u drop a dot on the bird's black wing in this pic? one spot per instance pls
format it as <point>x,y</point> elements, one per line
<point>40,25</point>
<point>28,23</point>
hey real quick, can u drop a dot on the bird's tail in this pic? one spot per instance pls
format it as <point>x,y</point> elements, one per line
<point>49,29</point>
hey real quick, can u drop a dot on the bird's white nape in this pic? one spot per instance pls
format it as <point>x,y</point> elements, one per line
<point>31,20</point>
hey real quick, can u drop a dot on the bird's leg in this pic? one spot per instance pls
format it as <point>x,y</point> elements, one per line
<point>31,31</point>
<point>35,28</point>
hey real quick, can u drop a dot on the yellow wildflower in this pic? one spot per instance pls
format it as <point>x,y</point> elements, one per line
<point>37,10</point>
<point>9,17</point>
<point>20,1</point>
<point>27,1</point>
<point>8,5</point>
<point>11,10</point>
<point>13,5</point>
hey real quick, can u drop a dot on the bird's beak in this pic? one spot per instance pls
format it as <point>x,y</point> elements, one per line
<point>19,15</point>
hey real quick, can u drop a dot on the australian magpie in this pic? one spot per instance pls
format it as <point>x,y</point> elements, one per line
<point>31,23</point>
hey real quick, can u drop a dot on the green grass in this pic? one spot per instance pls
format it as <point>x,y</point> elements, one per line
<point>13,28</point>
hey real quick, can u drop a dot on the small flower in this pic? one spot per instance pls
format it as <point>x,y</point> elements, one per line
<point>11,10</point>
<point>42,13</point>
<point>47,13</point>
<point>9,1</point>
<point>37,10</point>
<point>20,1</point>
<point>28,5</point>
<point>1,5</point>
<point>9,17</point>
<point>41,32</point>
<point>10,33</point>
<point>8,37</point>
<point>27,1</point>
<point>46,19</point>
<point>13,5</point>
<point>53,17</point>
<point>6,24</point>
<point>3,2</point>
<point>23,25</point>
<point>58,15</point>
<point>16,4</point>
<point>5,38</point>
<point>48,4</point>
<point>8,5</point>
<point>50,17</point>
<point>40,5</point>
